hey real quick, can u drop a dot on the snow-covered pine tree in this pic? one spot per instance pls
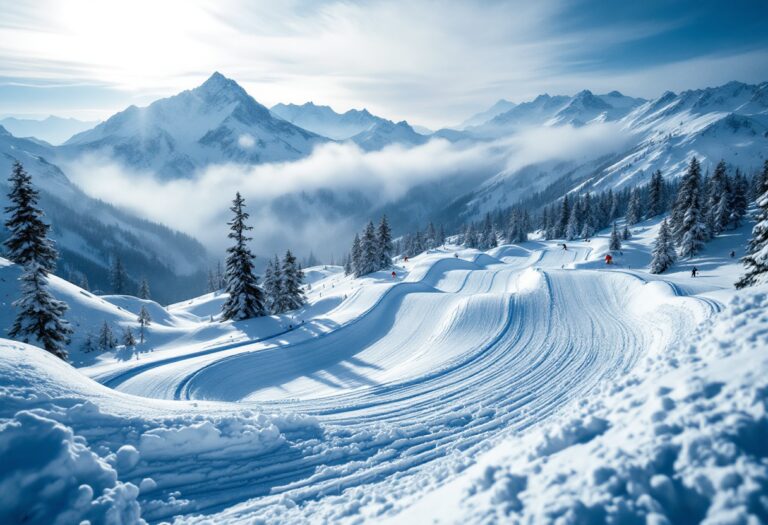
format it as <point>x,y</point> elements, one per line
<point>357,256</point>
<point>348,265</point>
<point>470,237</point>
<point>144,289</point>
<point>245,299</point>
<point>615,244</point>
<point>655,195</point>
<point>626,234</point>
<point>716,189</point>
<point>430,237</point>
<point>107,340</point>
<point>369,250</point>
<point>572,228</point>
<point>688,227</point>
<point>28,233</point>
<point>291,295</point>
<point>738,205</point>
<point>384,241</point>
<point>89,345</point>
<point>441,235</point>
<point>756,260</point>
<point>144,321</point>
<point>663,250</point>
<point>564,217</point>
<point>272,285</point>
<point>118,277</point>
<point>634,213</point>
<point>128,339</point>
<point>39,316</point>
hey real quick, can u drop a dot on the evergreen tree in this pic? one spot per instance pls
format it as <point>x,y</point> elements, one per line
<point>615,243</point>
<point>128,339</point>
<point>144,321</point>
<point>107,340</point>
<point>273,279</point>
<point>89,345</point>
<point>357,256</point>
<point>626,234</point>
<point>689,229</point>
<point>291,295</point>
<point>144,289</point>
<point>369,251</point>
<point>348,265</point>
<point>634,213</point>
<point>84,283</point>
<point>572,228</point>
<point>28,240</point>
<point>430,237</point>
<point>663,250</point>
<point>470,237</point>
<point>655,195</point>
<point>565,215</point>
<point>738,199</point>
<point>118,276</point>
<point>245,299</point>
<point>756,260</point>
<point>40,317</point>
<point>441,236</point>
<point>384,241</point>
<point>716,190</point>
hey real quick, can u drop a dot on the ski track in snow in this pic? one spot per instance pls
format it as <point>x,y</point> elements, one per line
<point>444,362</point>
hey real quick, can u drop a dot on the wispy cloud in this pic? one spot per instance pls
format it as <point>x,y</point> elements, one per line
<point>432,63</point>
<point>288,202</point>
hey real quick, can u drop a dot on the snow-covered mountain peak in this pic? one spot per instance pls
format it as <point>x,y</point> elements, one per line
<point>177,135</point>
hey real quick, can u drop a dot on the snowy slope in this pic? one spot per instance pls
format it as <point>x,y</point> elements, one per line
<point>216,122</point>
<point>474,374</point>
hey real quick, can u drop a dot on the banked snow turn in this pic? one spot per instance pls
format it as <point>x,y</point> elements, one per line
<point>410,379</point>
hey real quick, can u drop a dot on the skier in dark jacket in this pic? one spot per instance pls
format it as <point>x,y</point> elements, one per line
<point>694,272</point>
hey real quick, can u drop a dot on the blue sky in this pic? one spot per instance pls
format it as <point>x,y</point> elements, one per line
<point>433,63</point>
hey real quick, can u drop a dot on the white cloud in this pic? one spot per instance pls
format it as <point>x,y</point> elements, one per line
<point>199,206</point>
<point>417,60</point>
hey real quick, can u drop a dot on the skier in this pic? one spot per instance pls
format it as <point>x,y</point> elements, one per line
<point>405,259</point>
<point>694,272</point>
<point>456,255</point>
<point>565,247</point>
<point>733,254</point>
<point>394,274</point>
<point>608,258</point>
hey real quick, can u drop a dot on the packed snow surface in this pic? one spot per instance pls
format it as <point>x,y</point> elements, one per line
<point>527,384</point>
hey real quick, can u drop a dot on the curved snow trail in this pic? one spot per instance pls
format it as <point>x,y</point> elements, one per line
<point>457,355</point>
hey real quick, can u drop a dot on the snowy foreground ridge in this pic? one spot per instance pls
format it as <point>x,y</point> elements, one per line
<point>527,384</point>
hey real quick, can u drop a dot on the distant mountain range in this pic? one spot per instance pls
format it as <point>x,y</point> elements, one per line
<point>89,233</point>
<point>359,126</point>
<point>219,122</point>
<point>54,130</point>
<point>728,122</point>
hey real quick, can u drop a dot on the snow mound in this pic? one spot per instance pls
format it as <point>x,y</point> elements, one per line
<point>50,475</point>
<point>73,450</point>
